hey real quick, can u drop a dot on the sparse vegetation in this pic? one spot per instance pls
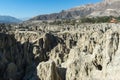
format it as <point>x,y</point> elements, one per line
<point>63,21</point>
<point>104,19</point>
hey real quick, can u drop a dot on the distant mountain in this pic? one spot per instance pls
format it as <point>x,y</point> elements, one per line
<point>9,19</point>
<point>104,8</point>
<point>24,19</point>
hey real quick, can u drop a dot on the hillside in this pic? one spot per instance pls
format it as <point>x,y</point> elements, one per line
<point>9,19</point>
<point>104,8</point>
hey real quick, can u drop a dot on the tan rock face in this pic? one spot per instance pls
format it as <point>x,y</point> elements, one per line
<point>47,71</point>
<point>95,55</point>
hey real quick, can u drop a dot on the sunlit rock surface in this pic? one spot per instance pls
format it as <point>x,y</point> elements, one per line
<point>78,52</point>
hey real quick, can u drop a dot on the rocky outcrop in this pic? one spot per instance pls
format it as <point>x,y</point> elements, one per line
<point>43,45</point>
<point>94,54</point>
<point>15,58</point>
<point>47,71</point>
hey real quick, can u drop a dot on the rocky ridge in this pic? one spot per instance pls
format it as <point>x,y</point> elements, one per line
<point>103,8</point>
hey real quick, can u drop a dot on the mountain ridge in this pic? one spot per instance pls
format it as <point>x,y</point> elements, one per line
<point>9,19</point>
<point>104,8</point>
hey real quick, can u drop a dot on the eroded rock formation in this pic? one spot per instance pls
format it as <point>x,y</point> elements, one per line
<point>75,53</point>
<point>47,71</point>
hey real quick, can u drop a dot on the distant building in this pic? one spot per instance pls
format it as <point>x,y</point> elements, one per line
<point>113,20</point>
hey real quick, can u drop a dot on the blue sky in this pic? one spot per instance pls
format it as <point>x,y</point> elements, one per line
<point>30,8</point>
